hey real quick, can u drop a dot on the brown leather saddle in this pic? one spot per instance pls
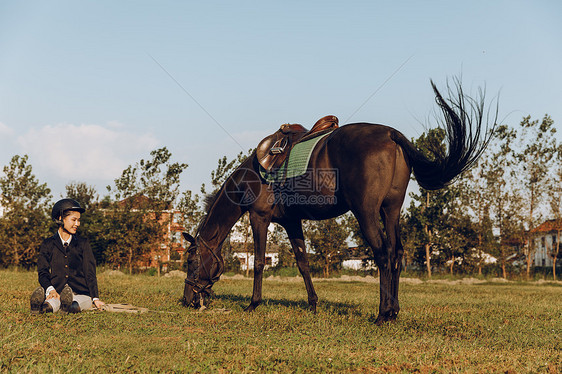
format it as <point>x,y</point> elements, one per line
<point>274,150</point>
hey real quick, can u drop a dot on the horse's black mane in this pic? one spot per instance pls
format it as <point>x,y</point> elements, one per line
<point>209,201</point>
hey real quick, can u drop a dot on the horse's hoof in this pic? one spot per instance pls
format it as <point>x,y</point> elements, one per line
<point>380,320</point>
<point>249,308</point>
<point>386,319</point>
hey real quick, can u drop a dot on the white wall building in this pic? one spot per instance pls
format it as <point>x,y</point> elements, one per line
<point>271,259</point>
<point>358,264</point>
<point>545,238</point>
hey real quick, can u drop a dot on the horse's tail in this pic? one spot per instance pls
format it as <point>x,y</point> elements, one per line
<point>466,138</point>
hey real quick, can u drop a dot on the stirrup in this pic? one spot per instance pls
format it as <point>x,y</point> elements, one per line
<point>279,146</point>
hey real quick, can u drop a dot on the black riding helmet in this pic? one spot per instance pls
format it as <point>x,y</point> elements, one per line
<point>62,206</point>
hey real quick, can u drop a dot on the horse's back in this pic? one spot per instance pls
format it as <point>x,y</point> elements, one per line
<point>361,142</point>
<point>367,158</point>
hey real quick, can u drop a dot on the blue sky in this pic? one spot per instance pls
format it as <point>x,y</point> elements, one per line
<point>87,88</point>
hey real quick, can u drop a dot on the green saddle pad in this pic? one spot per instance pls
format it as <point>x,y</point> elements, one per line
<point>297,162</point>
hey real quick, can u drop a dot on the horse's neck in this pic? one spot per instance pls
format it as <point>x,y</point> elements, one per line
<point>225,211</point>
<point>221,218</point>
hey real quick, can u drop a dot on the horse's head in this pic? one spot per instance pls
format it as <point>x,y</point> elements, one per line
<point>204,268</point>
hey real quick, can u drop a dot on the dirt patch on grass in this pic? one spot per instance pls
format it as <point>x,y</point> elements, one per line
<point>456,281</point>
<point>545,281</point>
<point>371,279</point>
<point>176,273</point>
<point>113,272</point>
<point>343,278</point>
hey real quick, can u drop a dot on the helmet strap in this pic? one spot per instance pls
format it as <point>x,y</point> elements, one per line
<point>64,233</point>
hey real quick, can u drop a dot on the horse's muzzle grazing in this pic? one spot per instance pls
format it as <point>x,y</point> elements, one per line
<point>188,296</point>
<point>195,295</point>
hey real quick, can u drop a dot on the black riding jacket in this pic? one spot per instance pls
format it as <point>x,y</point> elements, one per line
<point>76,266</point>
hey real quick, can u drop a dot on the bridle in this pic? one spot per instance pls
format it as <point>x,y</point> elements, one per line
<point>197,287</point>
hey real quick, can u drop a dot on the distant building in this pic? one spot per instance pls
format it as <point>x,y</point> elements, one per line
<point>172,246</point>
<point>359,263</point>
<point>242,247</point>
<point>545,238</point>
<point>356,259</point>
<point>271,260</point>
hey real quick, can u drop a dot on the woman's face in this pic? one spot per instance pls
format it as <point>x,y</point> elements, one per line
<point>71,222</point>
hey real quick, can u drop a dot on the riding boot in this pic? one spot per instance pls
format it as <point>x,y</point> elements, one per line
<point>66,297</point>
<point>46,308</point>
<point>36,300</point>
<point>74,307</point>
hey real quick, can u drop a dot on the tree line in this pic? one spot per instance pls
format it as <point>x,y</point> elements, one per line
<point>493,207</point>
<point>116,224</point>
<point>488,211</point>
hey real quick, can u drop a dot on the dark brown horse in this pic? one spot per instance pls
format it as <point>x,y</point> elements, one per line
<point>360,167</point>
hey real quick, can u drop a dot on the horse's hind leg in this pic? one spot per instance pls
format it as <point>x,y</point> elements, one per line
<point>391,218</point>
<point>369,223</point>
<point>296,237</point>
<point>390,212</point>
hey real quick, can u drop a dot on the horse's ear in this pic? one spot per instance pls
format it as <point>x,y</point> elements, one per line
<point>188,237</point>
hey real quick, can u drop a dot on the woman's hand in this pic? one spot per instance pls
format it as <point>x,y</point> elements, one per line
<point>53,295</point>
<point>99,304</point>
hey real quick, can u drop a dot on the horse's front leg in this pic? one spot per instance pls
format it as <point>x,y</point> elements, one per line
<point>294,231</point>
<point>259,230</point>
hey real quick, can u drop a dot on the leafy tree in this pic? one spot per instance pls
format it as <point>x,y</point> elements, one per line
<point>143,192</point>
<point>328,239</point>
<point>427,207</point>
<point>555,200</point>
<point>26,219</point>
<point>408,237</point>
<point>95,226</point>
<point>278,238</point>
<point>191,211</point>
<point>537,148</point>
<point>476,197</point>
<point>505,201</point>
<point>148,178</point>
<point>439,224</point>
<point>84,194</point>
<point>191,214</point>
<point>428,219</point>
<point>457,240</point>
<point>454,232</point>
<point>131,236</point>
<point>224,169</point>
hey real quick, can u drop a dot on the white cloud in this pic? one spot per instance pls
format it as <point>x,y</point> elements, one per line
<point>85,152</point>
<point>5,129</point>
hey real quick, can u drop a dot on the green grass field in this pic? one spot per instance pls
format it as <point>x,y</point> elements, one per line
<point>442,328</point>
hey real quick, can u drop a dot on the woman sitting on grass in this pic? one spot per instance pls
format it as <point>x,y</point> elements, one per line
<point>66,266</point>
